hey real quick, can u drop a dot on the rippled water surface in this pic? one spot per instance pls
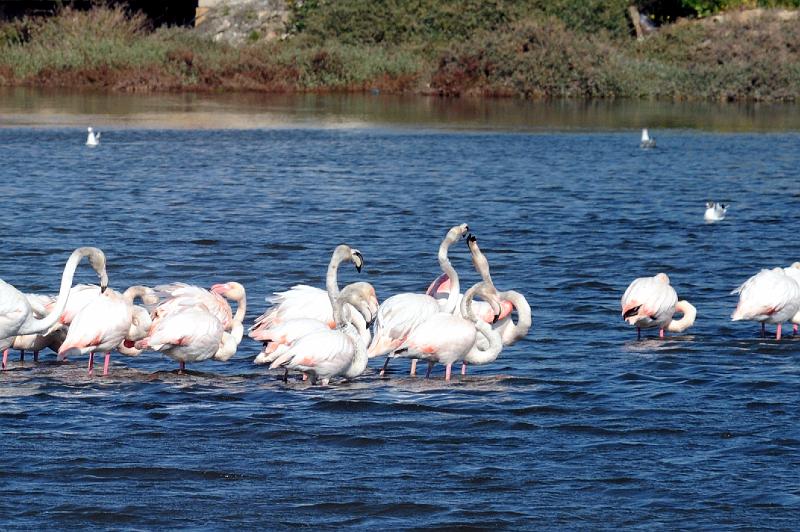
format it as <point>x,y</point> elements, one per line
<point>577,426</point>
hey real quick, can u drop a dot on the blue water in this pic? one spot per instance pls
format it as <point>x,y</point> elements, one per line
<point>578,426</point>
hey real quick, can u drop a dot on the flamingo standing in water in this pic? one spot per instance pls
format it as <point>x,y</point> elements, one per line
<point>402,313</point>
<point>186,330</point>
<point>445,337</point>
<point>103,324</point>
<point>17,317</point>
<point>326,353</point>
<point>279,338</point>
<point>793,271</point>
<point>770,296</point>
<point>510,300</point>
<point>303,301</point>
<point>652,302</point>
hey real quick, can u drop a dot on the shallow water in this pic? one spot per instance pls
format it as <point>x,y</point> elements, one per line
<point>577,426</point>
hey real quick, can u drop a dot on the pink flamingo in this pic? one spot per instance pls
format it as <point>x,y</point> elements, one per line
<point>400,314</point>
<point>445,337</point>
<point>277,339</point>
<point>770,296</point>
<point>652,302</point>
<point>103,324</point>
<point>327,353</point>
<point>17,317</point>
<point>186,330</point>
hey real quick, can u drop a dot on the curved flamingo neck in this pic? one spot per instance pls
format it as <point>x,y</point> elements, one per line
<point>524,316</point>
<point>447,268</point>
<point>97,260</point>
<point>687,320</point>
<point>481,264</point>
<point>490,353</point>
<point>340,254</point>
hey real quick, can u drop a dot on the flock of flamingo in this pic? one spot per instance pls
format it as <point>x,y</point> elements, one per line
<point>321,334</point>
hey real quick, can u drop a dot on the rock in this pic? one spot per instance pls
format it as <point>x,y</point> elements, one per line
<point>243,21</point>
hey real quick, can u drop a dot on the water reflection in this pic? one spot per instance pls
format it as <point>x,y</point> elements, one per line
<point>35,107</point>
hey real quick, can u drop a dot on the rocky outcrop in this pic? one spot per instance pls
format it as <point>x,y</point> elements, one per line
<point>242,21</point>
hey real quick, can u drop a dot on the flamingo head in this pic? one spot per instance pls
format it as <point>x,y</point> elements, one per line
<point>357,258</point>
<point>231,290</point>
<point>457,232</point>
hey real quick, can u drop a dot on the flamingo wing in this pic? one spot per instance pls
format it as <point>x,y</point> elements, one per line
<point>397,317</point>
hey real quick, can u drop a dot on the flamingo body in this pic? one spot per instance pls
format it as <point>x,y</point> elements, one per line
<point>649,302</point>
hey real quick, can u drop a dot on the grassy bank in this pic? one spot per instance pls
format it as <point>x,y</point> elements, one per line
<point>474,47</point>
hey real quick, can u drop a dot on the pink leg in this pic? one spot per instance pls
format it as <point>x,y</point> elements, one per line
<point>463,368</point>
<point>5,358</point>
<point>794,328</point>
<point>661,333</point>
<point>447,372</point>
<point>413,366</point>
<point>305,377</point>
<point>90,367</point>
<point>778,332</point>
<point>105,364</point>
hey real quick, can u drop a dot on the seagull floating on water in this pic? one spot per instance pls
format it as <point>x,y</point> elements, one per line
<point>93,139</point>
<point>715,212</point>
<point>647,142</point>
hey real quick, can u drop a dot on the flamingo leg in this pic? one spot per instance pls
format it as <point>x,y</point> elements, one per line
<point>90,367</point>
<point>286,375</point>
<point>463,368</point>
<point>383,369</point>
<point>181,367</point>
<point>778,332</point>
<point>305,378</point>
<point>22,355</point>
<point>430,368</point>
<point>661,333</point>
<point>447,370</point>
<point>5,358</point>
<point>36,356</point>
<point>105,364</point>
<point>763,329</point>
<point>638,333</point>
<point>413,367</point>
<point>794,328</point>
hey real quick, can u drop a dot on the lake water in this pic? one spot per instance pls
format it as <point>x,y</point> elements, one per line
<point>577,426</point>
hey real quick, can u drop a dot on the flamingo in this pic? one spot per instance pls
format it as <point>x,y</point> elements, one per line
<point>188,331</point>
<point>279,338</point>
<point>445,337</point>
<point>715,212</point>
<point>510,300</point>
<point>770,296</point>
<point>652,302</point>
<point>16,314</point>
<point>178,294</point>
<point>303,301</point>
<point>103,324</point>
<point>327,353</point>
<point>402,313</point>
<point>36,342</point>
<point>92,139</point>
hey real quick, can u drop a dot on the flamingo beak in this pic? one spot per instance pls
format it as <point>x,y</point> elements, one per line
<point>631,312</point>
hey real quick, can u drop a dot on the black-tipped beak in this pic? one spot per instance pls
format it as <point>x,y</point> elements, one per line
<point>369,325</point>
<point>496,317</point>
<point>103,289</point>
<point>631,312</point>
<point>472,238</point>
<point>360,262</point>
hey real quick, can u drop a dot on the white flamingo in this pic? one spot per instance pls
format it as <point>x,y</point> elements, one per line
<point>445,338</point>
<point>103,324</point>
<point>402,313</point>
<point>16,314</point>
<point>303,301</point>
<point>770,296</point>
<point>652,302</point>
<point>187,331</point>
<point>279,338</point>
<point>327,353</point>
